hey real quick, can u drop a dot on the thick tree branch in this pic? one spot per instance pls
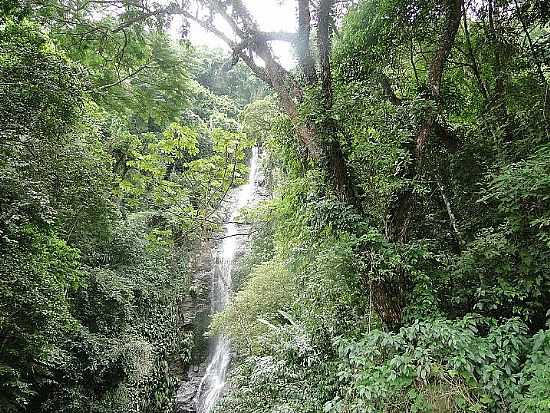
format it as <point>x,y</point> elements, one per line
<point>388,90</point>
<point>237,48</point>
<point>289,91</point>
<point>446,42</point>
<point>435,72</point>
<point>400,208</point>
<point>447,136</point>
<point>280,36</point>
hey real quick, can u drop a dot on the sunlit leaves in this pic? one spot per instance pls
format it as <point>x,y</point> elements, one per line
<point>408,368</point>
<point>230,142</point>
<point>179,140</point>
<point>269,290</point>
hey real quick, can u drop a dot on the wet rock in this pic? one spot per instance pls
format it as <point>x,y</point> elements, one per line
<point>195,310</point>
<point>185,400</point>
<point>187,392</point>
<point>210,291</point>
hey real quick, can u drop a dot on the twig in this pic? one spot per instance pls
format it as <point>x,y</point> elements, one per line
<point>452,217</point>
<point>240,234</point>
<point>130,75</point>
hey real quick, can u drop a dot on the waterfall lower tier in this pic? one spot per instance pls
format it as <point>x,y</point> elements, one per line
<point>212,384</point>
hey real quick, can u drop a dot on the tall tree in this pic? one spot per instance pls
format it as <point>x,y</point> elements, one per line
<point>320,138</point>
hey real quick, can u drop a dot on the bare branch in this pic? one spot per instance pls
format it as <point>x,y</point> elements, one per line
<point>129,76</point>
<point>243,234</point>
<point>452,217</point>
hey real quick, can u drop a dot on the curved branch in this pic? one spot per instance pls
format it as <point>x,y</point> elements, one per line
<point>435,72</point>
<point>237,48</point>
<point>129,76</point>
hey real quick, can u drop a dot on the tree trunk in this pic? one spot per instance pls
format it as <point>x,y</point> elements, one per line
<point>392,298</point>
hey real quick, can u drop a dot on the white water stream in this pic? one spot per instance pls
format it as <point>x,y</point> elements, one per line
<point>213,382</point>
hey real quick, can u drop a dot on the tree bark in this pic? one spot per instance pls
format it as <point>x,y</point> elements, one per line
<point>305,58</point>
<point>322,142</point>
<point>334,159</point>
<point>435,73</point>
<point>323,44</point>
<point>393,300</point>
<point>497,66</point>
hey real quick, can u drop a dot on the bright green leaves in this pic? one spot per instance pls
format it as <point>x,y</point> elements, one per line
<point>62,262</point>
<point>179,140</point>
<point>107,179</point>
<point>167,170</point>
<point>269,290</point>
<point>211,177</point>
<point>159,238</point>
<point>233,143</point>
<point>167,97</point>
<point>369,41</point>
<point>151,166</point>
<point>536,377</point>
<point>432,364</point>
<point>35,311</point>
<point>258,119</point>
<point>134,71</point>
<point>521,192</point>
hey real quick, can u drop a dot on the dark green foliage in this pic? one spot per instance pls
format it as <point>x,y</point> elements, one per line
<point>103,187</point>
<point>214,71</point>
<point>440,365</point>
<point>52,85</point>
<point>118,145</point>
<point>473,268</point>
<point>72,335</point>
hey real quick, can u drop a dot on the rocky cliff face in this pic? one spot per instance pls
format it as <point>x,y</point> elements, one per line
<point>198,305</point>
<point>196,309</point>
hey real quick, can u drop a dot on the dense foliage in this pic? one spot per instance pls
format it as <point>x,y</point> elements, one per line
<point>400,263</point>
<point>474,265</point>
<point>114,157</point>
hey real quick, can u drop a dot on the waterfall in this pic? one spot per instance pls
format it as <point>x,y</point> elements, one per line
<point>213,382</point>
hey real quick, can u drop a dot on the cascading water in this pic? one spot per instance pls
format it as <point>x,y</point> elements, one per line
<point>213,382</point>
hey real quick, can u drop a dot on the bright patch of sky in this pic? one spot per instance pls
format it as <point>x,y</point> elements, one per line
<point>271,15</point>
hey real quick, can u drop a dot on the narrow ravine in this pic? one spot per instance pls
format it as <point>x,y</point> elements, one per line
<point>213,382</point>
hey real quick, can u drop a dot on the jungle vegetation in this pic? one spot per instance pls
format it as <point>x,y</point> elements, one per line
<point>400,264</point>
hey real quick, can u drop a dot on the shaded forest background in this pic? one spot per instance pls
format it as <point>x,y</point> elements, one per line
<point>401,263</point>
